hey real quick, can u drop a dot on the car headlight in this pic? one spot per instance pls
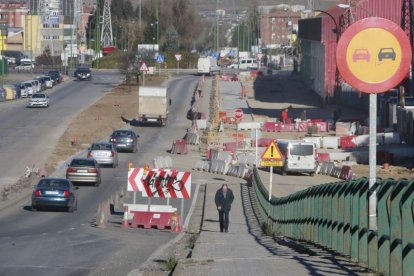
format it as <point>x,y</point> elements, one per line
<point>88,74</point>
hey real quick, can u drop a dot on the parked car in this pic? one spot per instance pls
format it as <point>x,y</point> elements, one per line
<point>42,83</point>
<point>36,86</point>
<point>56,76</point>
<point>38,100</point>
<point>244,64</point>
<point>48,81</point>
<point>84,170</point>
<point>124,140</point>
<point>83,73</point>
<point>25,66</point>
<point>30,88</point>
<point>54,193</point>
<point>104,153</point>
<point>24,90</point>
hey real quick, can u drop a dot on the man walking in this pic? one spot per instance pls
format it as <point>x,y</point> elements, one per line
<point>224,198</point>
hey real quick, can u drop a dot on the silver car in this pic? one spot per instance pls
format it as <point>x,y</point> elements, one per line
<point>104,153</point>
<point>84,170</point>
<point>124,140</point>
<point>38,100</point>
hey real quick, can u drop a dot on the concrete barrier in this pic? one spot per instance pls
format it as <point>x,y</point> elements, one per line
<point>202,165</point>
<point>330,142</point>
<point>249,125</point>
<point>244,158</point>
<point>219,166</point>
<point>192,138</point>
<point>316,140</point>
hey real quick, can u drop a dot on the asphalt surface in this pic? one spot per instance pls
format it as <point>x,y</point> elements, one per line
<point>28,135</point>
<point>56,243</point>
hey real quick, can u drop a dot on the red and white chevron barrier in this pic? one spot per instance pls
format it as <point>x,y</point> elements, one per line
<point>160,183</point>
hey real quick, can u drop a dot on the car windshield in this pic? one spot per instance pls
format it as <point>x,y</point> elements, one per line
<point>122,134</point>
<point>39,96</point>
<point>28,84</point>
<point>83,70</point>
<point>53,72</point>
<point>101,147</point>
<point>82,163</point>
<point>53,183</point>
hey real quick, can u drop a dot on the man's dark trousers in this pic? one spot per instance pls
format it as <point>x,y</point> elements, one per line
<point>224,220</point>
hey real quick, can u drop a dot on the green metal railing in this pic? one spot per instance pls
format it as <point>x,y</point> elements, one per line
<point>335,215</point>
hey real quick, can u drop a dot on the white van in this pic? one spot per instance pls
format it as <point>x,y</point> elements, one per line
<point>300,156</point>
<point>207,66</point>
<point>244,64</point>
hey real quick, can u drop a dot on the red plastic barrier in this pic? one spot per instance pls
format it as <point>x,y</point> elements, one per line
<point>269,127</point>
<point>347,142</point>
<point>322,126</point>
<point>159,220</point>
<point>303,127</point>
<point>262,142</point>
<point>180,147</point>
<point>287,128</point>
<point>316,121</point>
<point>346,173</point>
<point>231,146</point>
<point>323,157</point>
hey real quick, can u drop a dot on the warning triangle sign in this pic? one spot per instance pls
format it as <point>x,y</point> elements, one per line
<point>144,67</point>
<point>272,153</point>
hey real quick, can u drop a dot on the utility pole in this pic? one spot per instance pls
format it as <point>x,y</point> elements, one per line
<point>97,33</point>
<point>217,25</point>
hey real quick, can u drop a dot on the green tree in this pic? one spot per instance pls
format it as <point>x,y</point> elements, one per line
<point>172,39</point>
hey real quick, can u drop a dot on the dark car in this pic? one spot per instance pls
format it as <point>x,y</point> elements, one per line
<point>56,76</point>
<point>386,53</point>
<point>124,140</point>
<point>54,193</point>
<point>83,74</point>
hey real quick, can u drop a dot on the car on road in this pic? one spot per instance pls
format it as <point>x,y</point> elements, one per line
<point>104,153</point>
<point>386,53</point>
<point>54,193</point>
<point>30,89</point>
<point>48,81</point>
<point>83,73</point>
<point>361,54</point>
<point>56,76</point>
<point>124,140</point>
<point>38,100</point>
<point>25,66</point>
<point>84,170</point>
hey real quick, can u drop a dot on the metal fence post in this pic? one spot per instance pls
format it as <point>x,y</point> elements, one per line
<point>363,224</point>
<point>407,214</point>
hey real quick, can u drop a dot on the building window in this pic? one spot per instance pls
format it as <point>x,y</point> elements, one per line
<point>273,20</point>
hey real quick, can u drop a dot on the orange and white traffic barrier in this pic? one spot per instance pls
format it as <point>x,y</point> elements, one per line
<point>101,217</point>
<point>125,223</point>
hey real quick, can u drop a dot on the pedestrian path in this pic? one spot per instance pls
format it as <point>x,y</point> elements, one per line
<point>244,250</point>
<point>231,99</point>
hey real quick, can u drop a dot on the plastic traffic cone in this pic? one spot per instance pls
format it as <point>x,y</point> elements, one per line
<point>176,225</point>
<point>125,223</point>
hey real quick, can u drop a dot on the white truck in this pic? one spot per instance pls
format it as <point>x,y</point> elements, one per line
<point>207,66</point>
<point>153,105</point>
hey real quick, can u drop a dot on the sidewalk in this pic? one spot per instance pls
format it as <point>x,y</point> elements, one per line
<point>244,250</point>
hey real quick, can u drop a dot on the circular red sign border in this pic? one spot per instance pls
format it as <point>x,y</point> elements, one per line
<point>348,35</point>
<point>238,110</point>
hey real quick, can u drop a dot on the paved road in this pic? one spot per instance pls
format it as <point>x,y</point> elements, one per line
<point>27,136</point>
<point>56,243</point>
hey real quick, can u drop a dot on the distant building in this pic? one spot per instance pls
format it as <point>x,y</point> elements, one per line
<point>277,24</point>
<point>12,14</point>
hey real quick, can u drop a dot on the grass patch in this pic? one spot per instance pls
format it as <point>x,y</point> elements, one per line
<point>171,263</point>
<point>191,241</point>
<point>267,229</point>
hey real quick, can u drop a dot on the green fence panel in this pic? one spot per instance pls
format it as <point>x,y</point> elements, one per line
<point>407,215</point>
<point>341,220</point>
<point>363,225</point>
<point>335,215</point>
<point>396,245</point>
<point>383,209</point>
<point>372,234</point>
<point>348,218</point>
<point>355,218</point>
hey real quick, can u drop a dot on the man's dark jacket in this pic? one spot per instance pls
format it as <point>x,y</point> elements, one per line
<point>225,203</point>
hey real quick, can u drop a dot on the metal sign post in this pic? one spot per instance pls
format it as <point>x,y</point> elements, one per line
<point>372,160</point>
<point>238,116</point>
<point>271,158</point>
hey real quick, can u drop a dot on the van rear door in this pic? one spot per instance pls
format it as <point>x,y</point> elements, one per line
<point>302,156</point>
